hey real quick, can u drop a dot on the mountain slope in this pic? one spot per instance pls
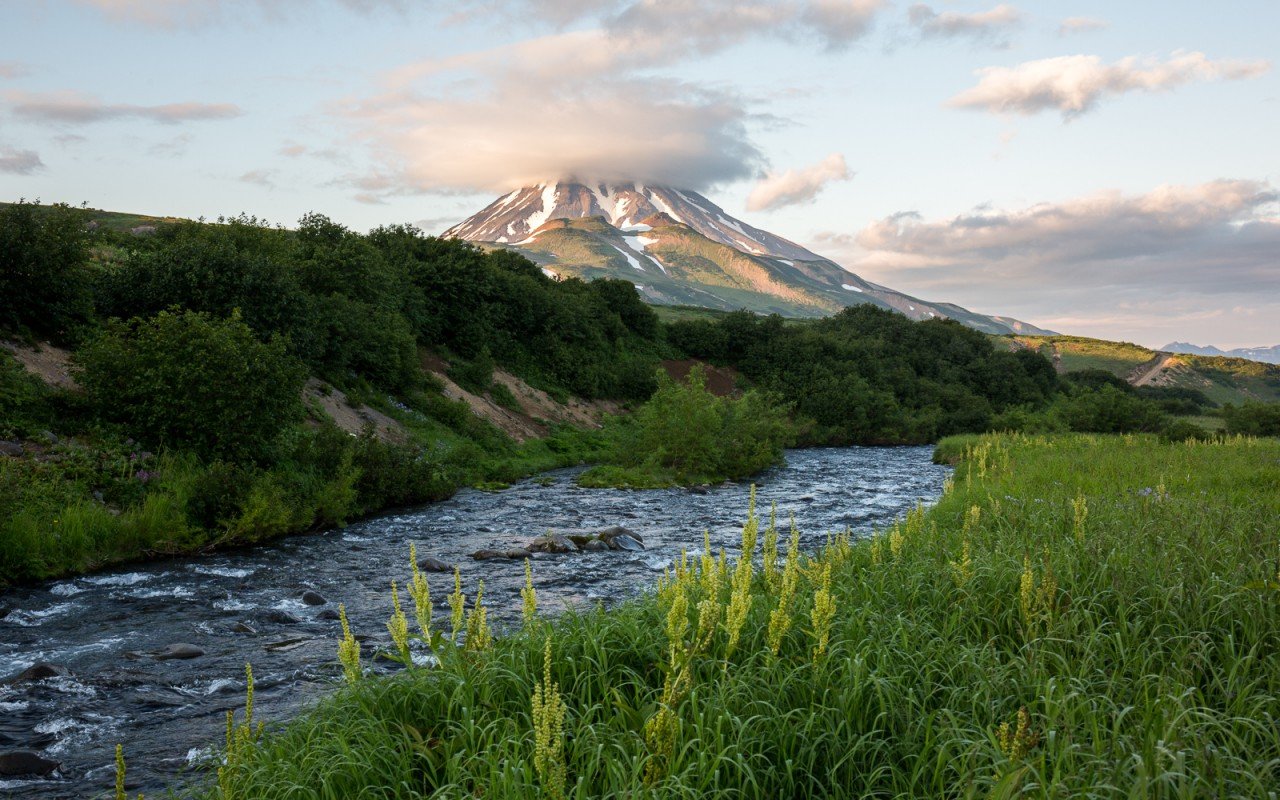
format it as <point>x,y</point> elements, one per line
<point>1221,378</point>
<point>1267,355</point>
<point>680,248</point>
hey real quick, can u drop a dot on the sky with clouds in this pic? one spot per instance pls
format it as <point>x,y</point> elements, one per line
<point>1104,169</point>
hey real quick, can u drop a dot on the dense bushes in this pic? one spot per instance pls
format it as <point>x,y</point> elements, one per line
<point>44,273</point>
<point>24,406</point>
<point>1253,419</point>
<point>353,306</point>
<point>193,382</point>
<point>868,375</point>
<point>684,434</point>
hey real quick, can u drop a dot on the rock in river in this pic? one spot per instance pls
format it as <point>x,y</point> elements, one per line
<point>485,555</point>
<point>313,598</point>
<point>279,616</point>
<point>553,543</point>
<point>40,671</point>
<point>178,651</point>
<point>595,546</point>
<point>430,564</point>
<point>22,762</point>
<point>609,535</point>
<point>625,542</point>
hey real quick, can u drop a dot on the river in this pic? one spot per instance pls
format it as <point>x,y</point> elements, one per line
<point>237,605</point>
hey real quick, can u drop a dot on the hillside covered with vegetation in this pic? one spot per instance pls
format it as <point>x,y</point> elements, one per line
<point>184,423</point>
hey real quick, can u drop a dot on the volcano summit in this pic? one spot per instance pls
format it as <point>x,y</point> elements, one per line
<point>678,247</point>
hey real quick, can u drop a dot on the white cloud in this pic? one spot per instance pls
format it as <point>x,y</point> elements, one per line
<point>259,177</point>
<point>1106,263</point>
<point>991,24</point>
<point>78,108</point>
<point>194,13</point>
<point>618,129</point>
<point>585,104</point>
<point>793,186</point>
<point>19,162</point>
<point>13,69</point>
<point>1072,25</point>
<point>1073,85</point>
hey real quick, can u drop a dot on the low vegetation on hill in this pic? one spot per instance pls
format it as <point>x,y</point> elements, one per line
<point>1222,380</point>
<point>1043,630</point>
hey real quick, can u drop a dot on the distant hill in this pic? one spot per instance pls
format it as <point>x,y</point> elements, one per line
<point>679,248</point>
<point>1267,355</point>
<point>1223,379</point>
<point>123,222</point>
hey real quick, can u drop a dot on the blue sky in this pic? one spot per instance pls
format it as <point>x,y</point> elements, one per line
<point>1115,177</point>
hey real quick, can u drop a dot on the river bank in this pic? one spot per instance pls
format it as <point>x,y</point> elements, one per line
<point>166,711</point>
<point>1080,615</point>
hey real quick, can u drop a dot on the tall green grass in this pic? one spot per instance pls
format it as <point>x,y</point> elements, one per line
<point>1081,616</point>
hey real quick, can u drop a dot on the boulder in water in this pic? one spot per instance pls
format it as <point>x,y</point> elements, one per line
<point>313,598</point>
<point>243,627</point>
<point>24,762</point>
<point>430,564</point>
<point>578,537</point>
<point>553,543</point>
<point>329,614</point>
<point>279,616</point>
<point>40,671</point>
<point>625,541</point>
<point>513,554</point>
<point>607,535</point>
<point>595,546</point>
<point>179,651</point>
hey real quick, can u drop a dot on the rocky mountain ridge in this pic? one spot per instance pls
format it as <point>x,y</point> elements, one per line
<point>679,248</point>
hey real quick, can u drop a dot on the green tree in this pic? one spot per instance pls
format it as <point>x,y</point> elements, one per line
<point>193,382</point>
<point>44,273</point>
<point>1252,418</point>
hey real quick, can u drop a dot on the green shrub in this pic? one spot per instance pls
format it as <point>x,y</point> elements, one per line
<point>504,397</point>
<point>44,274</point>
<point>685,434</point>
<point>476,375</point>
<point>1110,410</point>
<point>1253,419</point>
<point>190,381</point>
<point>24,399</point>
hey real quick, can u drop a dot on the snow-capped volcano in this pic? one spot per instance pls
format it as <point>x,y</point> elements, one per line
<point>679,248</point>
<point>514,217</point>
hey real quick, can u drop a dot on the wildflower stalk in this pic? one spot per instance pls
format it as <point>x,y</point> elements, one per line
<point>1018,739</point>
<point>478,636</point>
<point>660,729</point>
<point>780,617</point>
<point>398,627</point>
<point>1080,509</point>
<point>962,570</point>
<point>824,610</point>
<point>120,772</point>
<point>1036,597</point>
<point>548,712</point>
<point>348,648</point>
<point>529,598</point>
<point>420,591</point>
<point>735,615</point>
<point>457,602</point>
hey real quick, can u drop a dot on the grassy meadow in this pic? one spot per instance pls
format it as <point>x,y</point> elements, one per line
<point>1079,616</point>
